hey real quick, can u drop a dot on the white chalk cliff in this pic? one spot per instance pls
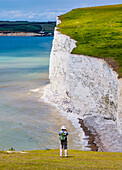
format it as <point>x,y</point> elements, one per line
<point>83,85</point>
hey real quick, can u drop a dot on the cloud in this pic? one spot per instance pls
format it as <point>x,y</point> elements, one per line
<point>30,15</point>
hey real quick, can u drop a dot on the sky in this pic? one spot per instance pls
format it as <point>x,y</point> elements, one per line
<point>44,10</point>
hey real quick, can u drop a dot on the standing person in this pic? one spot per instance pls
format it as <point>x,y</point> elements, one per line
<point>63,141</point>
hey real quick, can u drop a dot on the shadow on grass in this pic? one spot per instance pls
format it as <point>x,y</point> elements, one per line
<point>69,156</point>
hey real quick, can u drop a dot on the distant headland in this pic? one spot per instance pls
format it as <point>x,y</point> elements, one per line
<point>25,28</point>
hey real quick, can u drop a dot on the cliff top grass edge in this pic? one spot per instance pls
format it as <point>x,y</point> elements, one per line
<point>97,31</point>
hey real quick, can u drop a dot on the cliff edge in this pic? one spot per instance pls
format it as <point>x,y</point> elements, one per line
<point>87,87</point>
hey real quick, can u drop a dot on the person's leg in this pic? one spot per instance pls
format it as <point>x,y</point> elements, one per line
<point>65,149</point>
<point>65,152</point>
<point>61,149</point>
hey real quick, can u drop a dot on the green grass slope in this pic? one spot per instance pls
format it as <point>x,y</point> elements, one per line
<point>49,159</point>
<point>97,31</point>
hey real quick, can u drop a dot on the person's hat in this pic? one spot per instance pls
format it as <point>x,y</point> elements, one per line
<point>63,127</point>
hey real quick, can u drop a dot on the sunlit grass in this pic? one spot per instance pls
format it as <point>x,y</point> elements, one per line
<point>50,159</point>
<point>97,31</point>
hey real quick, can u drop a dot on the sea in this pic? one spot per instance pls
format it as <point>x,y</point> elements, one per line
<point>26,122</point>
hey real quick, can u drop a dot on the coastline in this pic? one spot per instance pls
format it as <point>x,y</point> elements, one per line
<point>102,127</point>
<point>99,133</point>
<point>22,34</point>
<point>104,133</point>
<point>74,118</point>
<point>91,137</point>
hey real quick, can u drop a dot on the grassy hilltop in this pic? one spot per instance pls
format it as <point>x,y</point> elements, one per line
<point>97,31</point>
<point>49,159</point>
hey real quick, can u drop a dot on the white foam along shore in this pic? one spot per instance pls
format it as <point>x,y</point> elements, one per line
<point>87,88</point>
<point>74,118</point>
<point>107,137</point>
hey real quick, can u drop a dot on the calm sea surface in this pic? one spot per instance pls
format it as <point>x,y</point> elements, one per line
<point>26,123</point>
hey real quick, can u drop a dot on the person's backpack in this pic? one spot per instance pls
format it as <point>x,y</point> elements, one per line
<point>63,137</point>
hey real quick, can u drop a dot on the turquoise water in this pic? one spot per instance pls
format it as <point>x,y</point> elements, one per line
<point>26,123</point>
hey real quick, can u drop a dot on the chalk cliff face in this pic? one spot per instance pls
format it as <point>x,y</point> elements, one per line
<point>80,84</point>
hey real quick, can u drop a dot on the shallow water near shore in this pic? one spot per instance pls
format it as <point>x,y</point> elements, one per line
<point>26,123</point>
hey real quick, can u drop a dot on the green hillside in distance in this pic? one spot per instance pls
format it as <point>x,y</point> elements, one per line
<point>25,26</point>
<point>97,31</point>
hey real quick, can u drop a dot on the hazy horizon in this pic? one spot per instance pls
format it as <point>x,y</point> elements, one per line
<point>43,11</point>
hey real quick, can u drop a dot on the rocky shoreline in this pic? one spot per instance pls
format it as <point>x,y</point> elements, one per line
<point>91,137</point>
<point>103,134</point>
